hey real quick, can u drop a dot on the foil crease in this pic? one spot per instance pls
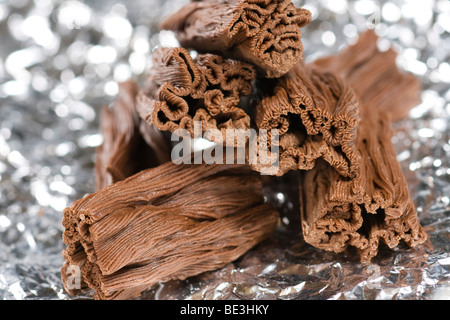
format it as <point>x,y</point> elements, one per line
<point>60,62</point>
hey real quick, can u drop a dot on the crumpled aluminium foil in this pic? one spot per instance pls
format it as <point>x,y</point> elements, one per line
<point>60,62</point>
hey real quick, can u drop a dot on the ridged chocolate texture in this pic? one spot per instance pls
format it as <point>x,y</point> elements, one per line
<point>374,76</point>
<point>129,144</point>
<point>316,115</point>
<point>182,90</point>
<point>265,33</point>
<point>376,206</point>
<point>164,223</point>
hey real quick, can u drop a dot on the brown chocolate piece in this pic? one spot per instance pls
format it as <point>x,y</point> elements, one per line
<point>208,89</point>
<point>374,76</point>
<point>129,144</point>
<point>316,115</point>
<point>376,206</point>
<point>164,223</point>
<point>265,33</point>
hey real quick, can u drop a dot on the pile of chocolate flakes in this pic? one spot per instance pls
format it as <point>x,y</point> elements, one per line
<point>240,66</point>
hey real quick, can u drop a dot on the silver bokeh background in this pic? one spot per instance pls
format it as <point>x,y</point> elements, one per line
<point>60,62</point>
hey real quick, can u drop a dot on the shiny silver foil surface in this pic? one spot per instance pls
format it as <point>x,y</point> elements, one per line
<point>60,62</point>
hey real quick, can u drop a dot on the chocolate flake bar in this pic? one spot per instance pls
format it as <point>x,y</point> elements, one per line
<point>129,144</point>
<point>316,115</point>
<point>265,33</point>
<point>164,223</point>
<point>181,91</point>
<point>376,206</point>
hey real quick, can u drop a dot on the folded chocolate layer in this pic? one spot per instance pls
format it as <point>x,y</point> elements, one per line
<point>129,144</point>
<point>265,33</point>
<point>164,223</point>
<point>207,90</point>
<point>374,76</point>
<point>376,206</point>
<point>316,115</point>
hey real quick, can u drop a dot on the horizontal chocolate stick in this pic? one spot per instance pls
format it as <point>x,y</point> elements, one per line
<point>376,206</point>
<point>208,89</point>
<point>265,33</point>
<point>316,115</point>
<point>129,143</point>
<point>164,223</point>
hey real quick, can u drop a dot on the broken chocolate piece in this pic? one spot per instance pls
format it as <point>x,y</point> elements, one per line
<point>208,90</point>
<point>265,33</point>
<point>316,115</point>
<point>376,206</point>
<point>164,223</point>
<point>129,144</point>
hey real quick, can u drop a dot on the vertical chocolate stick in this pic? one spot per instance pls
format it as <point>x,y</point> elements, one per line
<point>374,76</point>
<point>265,33</point>
<point>316,115</point>
<point>376,206</point>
